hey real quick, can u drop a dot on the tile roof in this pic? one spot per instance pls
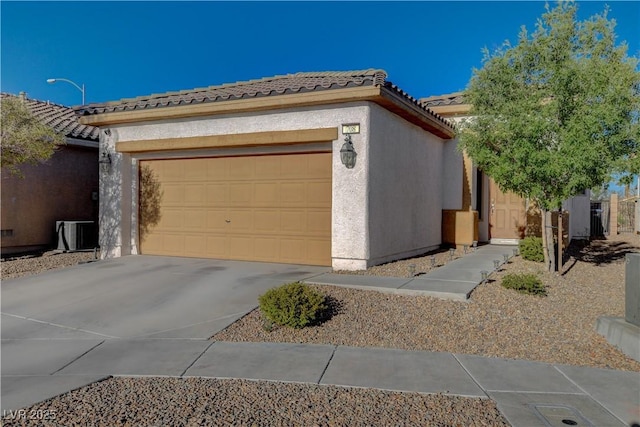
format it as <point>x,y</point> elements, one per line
<point>62,119</point>
<point>455,98</point>
<point>268,86</point>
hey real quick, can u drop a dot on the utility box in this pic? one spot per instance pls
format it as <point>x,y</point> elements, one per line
<point>76,235</point>
<point>632,289</point>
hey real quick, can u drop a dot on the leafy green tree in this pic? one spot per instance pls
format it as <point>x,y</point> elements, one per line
<point>24,138</point>
<point>555,114</point>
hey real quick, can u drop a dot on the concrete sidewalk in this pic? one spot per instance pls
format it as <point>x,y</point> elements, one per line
<point>527,393</point>
<point>454,280</point>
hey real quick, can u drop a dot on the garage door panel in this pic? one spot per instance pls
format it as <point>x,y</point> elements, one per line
<point>195,244</point>
<point>217,171</point>
<point>240,221</point>
<point>171,219</point>
<point>267,249</point>
<point>294,194</point>
<point>292,250</point>
<point>316,168</point>
<point>174,171</point>
<point>217,246</point>
<point>172,194</point>
<point>274,208</point>
<point>319,193</point>
<point>266,194</point>
<point>268,168</point>
<point>173,243</point>
<point>266,221</point>
<point>241,247</point>
<point>293,221</point>
<point>216,220</point>
<point>195,219</point>
<point>195,194</point>
<point>217,194</point>
<point>240,194</point>
<point>294,167</point>
<point>319,223</point>
<point>317,250</point>
<point>240,168</point>
<point>195,170</point>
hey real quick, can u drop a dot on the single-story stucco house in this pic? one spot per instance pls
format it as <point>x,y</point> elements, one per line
<point>64,188</point>
<point>253,171</point>
<point>503,217</point>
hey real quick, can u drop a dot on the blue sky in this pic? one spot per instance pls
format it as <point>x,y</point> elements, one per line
<point>127,49</point>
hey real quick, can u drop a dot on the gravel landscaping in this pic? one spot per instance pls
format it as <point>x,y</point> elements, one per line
<point>496,322</point>
<point>11,268</point>
<point>205,402</point>
<point>411,267</point>
<point>558,328</point>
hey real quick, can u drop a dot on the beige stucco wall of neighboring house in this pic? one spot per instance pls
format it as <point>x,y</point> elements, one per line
<point>65,188</point>
<point>350,187</point>
<point>405,187</point>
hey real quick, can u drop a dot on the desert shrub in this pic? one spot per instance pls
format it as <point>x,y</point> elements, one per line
<point>293,304</point>
<point>524,283</point>
<point>531,249</point>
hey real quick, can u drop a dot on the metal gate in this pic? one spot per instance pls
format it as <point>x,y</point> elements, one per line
<point>626,216</point>
<point>600,213</point>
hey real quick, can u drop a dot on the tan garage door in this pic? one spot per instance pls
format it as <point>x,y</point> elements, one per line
<point>274,208</point>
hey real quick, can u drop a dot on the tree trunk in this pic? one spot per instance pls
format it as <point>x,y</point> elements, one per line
<point>560,241</point>
<point>548,231</point>
<point>543,232</point>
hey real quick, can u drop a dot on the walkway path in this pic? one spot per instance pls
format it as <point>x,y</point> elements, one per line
<point>454,280</point>
<point>526,392</point>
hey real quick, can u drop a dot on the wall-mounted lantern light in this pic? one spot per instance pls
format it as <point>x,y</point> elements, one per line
<point>105,161</point>
<point>347,153</point>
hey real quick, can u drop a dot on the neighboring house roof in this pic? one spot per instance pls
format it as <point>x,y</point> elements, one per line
<point>62,119</point>
<point>447,105</point>
<point>329,82</point>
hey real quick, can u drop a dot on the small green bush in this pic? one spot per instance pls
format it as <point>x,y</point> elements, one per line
<point>293,304</point>
<point>524,283</point>
<point>531,249</point>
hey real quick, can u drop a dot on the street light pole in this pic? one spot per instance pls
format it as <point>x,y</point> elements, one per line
<point>81,89</point>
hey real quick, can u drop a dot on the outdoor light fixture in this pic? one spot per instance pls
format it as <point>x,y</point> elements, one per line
<point>515,251</point>
<point>475,245</point>
<point>506,257</point>
<point>452,252</point>
<point>466,247</point>
<point>347,153</point>
<point>81,89</point>
<point>433,261</point>
<point>485,275</point>
<point>496,264</point>
<point>412,270</point>
<point>105,161</point>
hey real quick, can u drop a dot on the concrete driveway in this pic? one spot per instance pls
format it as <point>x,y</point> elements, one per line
<point>139,297</point>
<point>134,314</point>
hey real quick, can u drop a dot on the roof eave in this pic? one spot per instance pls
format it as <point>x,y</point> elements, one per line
<point>451,110</point>
<point>426,119</point>
<point>235,106</point>
<point>380,95</point>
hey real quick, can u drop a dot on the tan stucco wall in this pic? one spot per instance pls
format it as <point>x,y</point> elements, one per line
<point>60,189</point>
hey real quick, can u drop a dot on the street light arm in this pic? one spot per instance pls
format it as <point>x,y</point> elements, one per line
<point>81,89</point>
